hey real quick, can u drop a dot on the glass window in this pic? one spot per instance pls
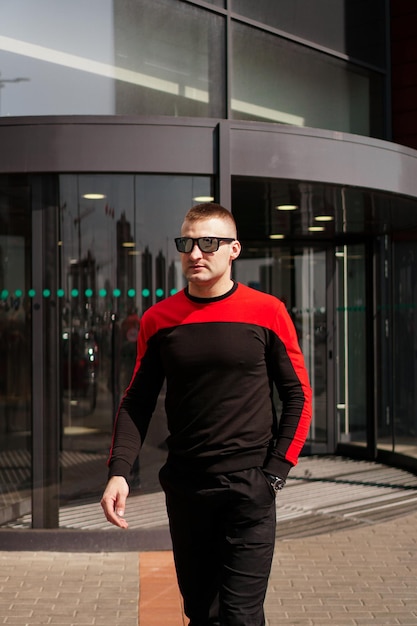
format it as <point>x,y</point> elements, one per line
<point>175,54</point>
<point>15,349</point>
<point>154,57</point>
<point>353,27</point>
<point>278,81</point>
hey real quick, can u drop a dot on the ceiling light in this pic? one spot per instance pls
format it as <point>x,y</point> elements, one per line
<point>94,196</point>
<point>316,229</point>
<point>128,244</point>
<point>324,218</point>
<point>277,236</point>
<point>203,199</point>
<point>287,207</point>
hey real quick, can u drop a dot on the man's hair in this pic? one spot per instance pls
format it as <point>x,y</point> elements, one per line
<point>208,210</point>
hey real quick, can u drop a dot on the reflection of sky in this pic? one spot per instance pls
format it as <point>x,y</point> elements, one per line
<point>81,28</point>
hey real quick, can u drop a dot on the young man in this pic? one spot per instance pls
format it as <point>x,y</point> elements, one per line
<point>221,347</point>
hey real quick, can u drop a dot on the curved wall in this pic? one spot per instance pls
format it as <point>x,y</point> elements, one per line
<point>108,144</point>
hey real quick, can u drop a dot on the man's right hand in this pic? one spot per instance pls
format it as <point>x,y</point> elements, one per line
<point>113,501</point>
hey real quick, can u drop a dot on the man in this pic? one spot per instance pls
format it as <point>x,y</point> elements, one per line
<point>221,347</point>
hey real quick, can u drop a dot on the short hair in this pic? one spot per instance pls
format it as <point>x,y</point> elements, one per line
<point>208,210</point>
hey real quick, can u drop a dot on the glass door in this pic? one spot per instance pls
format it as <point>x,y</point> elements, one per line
<point>117,258</point>
<point>351,345</point>
<point>297,275</point>
<point>15,350</point>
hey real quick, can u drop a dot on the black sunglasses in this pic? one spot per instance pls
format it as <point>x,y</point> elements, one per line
<point>206,244</point>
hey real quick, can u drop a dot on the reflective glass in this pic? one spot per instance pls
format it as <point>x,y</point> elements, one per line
<point>117,258</point>
<point>15,350</point>
<point>353,27</point>
<point>296,275</point>
<point>275,80</point>
<point>351,345</point>
<point>273,261</point>
<point>403,418</point>
<point>154,57</point>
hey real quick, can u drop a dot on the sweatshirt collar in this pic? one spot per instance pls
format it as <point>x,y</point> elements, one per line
<point>209,300</point>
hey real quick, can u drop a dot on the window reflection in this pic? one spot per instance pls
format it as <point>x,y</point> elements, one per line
<point>404,415</point>
<point>305,19</point>
<point>148,57</point>
<point>15,351</point>
<point>322,93</point>
<point>117,258</point>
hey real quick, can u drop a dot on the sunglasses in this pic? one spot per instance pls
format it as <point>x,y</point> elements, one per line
<point>206,244</point>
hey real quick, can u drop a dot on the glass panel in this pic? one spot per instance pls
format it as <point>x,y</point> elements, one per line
<point>296,275</point>
<point>288,209</point>
<point>351,392</point>
<point>353,27</point>
<point>154,57</point>
<point>117,258</point>
<point>278,81</point>
<point>404,281</point>
<point>177,53</point>
<point>15,350</point>
<point>310,314</point>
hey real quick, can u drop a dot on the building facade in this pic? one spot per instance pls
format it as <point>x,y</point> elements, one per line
<point>115,118</point>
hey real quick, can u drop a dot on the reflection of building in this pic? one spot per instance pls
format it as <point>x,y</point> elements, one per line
<point>82,277</point>
<point>125,273</point>
<point>147,283</point>
<point>160,277</point>
<point>172,278</point>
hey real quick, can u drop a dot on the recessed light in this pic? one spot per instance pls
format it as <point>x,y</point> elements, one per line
<point>277,236</point>
<point>324,218</point>
<point>128,244</point>
<point>203,199</point>
<point>315,229</point>
<point>94,196</point>
<point>287,207</point>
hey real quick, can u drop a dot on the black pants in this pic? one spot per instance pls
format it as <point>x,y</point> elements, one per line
<point>223,536</point>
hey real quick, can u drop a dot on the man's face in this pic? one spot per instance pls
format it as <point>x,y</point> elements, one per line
<point>204,270</point>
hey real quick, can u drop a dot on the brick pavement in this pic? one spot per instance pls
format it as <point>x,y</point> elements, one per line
<point>359,577</point>
<point>364,576</point>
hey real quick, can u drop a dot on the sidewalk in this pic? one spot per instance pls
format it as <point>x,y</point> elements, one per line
<point>346,555</point>
<point>363,576</point>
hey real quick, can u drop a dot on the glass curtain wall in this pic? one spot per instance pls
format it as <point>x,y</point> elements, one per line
<point>323,92</point>
<point>352,27</point>
<point>148,57</point>
<point>166,57</point>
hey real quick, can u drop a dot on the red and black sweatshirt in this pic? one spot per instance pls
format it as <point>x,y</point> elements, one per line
<point>221,358</point>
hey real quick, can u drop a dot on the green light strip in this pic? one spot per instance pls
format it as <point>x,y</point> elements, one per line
<point>88,293</point>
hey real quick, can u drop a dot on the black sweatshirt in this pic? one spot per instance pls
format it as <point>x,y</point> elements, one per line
<point>220,358</point>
